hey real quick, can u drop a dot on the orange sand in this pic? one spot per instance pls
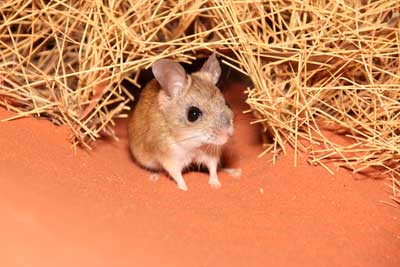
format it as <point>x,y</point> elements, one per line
<point>99,209</point>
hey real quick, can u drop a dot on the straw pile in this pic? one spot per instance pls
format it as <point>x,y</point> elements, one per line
<point>316,66</point>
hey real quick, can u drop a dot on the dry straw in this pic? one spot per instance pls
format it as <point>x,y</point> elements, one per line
<point>317,67</point>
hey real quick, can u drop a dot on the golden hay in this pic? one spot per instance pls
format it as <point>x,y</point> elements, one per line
<point>312,63</point>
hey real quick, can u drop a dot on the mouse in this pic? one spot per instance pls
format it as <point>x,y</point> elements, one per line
<point>181,119</point>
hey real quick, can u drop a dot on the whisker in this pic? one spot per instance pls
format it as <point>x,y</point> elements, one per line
<point>184,139</point>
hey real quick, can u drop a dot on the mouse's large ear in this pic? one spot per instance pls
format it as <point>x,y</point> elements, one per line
<point>212,69</point>
<point>170,75</point>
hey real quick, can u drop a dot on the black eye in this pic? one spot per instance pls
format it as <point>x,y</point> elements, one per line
<point>227,104</point>
<point>193,114</point>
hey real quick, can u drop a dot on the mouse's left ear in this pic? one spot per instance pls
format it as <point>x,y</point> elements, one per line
<point>212,69</point>
<point>171,76</point>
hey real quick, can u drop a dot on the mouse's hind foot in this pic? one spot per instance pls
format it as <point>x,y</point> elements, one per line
<point>154,176</point>
<point>235,173</point>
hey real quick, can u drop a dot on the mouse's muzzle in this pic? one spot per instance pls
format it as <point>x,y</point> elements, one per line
<point>225,128</point>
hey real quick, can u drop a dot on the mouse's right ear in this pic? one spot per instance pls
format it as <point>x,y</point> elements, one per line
<point>170,75</point>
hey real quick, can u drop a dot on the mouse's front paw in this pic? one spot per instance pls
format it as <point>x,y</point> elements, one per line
<point>214,182</point>
<point>182,186</point>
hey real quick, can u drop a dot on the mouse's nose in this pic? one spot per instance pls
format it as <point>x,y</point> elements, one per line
<point>227,123</point>
<point>230,131</point>
<point>225,119</point>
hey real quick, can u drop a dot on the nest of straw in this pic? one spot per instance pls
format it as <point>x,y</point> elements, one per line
<point>316,66</point>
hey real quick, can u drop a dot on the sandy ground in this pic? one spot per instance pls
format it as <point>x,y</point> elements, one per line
<point>99,209</point>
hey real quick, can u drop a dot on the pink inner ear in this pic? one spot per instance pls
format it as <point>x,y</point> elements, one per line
<point>212,68</point>
<point>170,75</point>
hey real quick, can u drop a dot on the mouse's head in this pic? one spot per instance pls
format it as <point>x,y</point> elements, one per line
<point>192,105</point>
